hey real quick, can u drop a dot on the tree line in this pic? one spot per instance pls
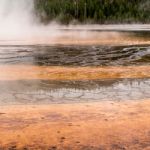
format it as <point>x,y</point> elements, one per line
<point>93,11</point>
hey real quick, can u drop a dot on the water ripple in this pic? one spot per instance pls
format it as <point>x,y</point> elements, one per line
<point>75,55</point>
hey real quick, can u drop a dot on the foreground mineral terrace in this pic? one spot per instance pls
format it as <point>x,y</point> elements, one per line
<point>112,125</point>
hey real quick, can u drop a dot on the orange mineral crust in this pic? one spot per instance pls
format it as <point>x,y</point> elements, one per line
<point>22,72</point>
<point>81,126</point>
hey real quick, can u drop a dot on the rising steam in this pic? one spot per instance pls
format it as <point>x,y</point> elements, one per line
<point>16,18</point>
<point>19,25</point>
<point>19,22</point>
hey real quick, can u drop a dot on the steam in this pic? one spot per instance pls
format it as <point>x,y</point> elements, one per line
<point>19,22</point>
<point>16,11</point>
<point>19,25</point>
<point>16,17</point>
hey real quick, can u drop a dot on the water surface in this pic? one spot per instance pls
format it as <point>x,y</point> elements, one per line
<point>20,85</point>
<point>47,92</point>
<point>75,55</point>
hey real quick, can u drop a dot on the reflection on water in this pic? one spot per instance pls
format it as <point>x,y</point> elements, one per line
<point>41,92</point>
<point>75,55</point>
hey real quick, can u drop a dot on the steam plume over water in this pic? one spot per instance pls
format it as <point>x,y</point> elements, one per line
<point>16,17</point>
<point>19,25</point>
<point>19,22</point>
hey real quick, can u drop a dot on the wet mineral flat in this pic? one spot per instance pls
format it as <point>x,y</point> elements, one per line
<point>88,92</point>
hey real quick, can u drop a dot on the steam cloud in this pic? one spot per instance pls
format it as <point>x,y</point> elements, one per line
<point>19,23</point>
<point>16,17</point>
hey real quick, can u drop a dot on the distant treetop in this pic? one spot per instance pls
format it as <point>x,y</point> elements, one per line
<point>93,11</point>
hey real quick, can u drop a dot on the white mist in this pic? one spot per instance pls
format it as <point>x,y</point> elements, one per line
<point>19,25</point>
<point>16,18</point>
